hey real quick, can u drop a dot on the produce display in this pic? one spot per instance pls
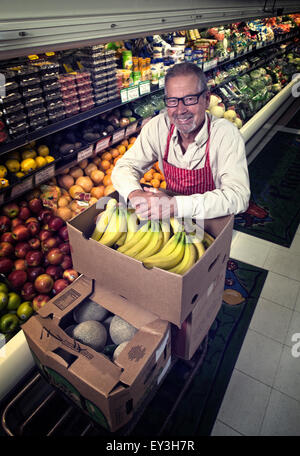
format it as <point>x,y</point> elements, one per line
<point>173,246</point>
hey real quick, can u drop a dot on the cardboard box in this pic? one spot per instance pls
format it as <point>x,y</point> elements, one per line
<point>170,296</point>
<point>110,392</point>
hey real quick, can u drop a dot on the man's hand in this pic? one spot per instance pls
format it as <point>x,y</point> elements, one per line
<point>152,203</point>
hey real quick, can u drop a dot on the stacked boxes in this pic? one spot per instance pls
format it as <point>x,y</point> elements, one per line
<point>76,90</point>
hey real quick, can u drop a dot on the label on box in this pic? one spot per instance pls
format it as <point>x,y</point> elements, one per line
<point>144,87</point>
<point>23,187</point>
<point>118,136</point>
<point>161,82</point>
<point>133,93</point>
<point>102,144</point>
<point>86,153</point>
<point>124,95</point>
<point>131,129</point>
<point>45,174</point>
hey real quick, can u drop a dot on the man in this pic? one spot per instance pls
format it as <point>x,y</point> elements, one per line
<point>202,157</point>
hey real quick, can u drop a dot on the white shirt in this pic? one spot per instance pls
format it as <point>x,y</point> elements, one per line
<point>227,161</point>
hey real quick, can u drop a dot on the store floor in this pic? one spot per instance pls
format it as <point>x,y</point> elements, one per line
<point>263,395</point>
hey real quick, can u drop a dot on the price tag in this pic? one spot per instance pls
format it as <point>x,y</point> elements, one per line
<point>118,136</point>
<point>86,153</point>
<point>124,95</point>
<point>102,144</point>
<point>250,48</point>
<point>44,174</point>
<point>144,87</point>
<point>205,66</point>
<point>258,45</point>
<point>161,82</point>
<point>131,129</point>
<point>231,55</point>
<point>133,93</point>
<point>23,187</point>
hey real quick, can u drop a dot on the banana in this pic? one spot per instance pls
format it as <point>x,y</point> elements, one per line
<point>207,239</point>
<point>188,260</point>
<point>132,225</point>
<point>170,255</point>
<point>115,228</point>
<point>176,225</point>
<point>154,244</point>
<point>104,219</point>
<point>198,244</point>
<point>137,236</point>
<point>141,245</point>
<point>165,228</point>
<point>121,239</point>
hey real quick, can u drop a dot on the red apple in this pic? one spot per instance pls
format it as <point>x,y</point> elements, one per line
<point>54,271</point>
<point>23,203</point>
<point>11,210</point>
<point>33,228</point>
<point>6,265</point>
<point>20,265</point>
<point>6,249</point>
<point>70,275</point>
<point>55,256</point>
<point>59,285</point>
<point>55,223</point>
<point>33,273</point>
<point>17,279</point>
<point>24,213</point>
<point>45,234</point>
<point>35,205</point>
<point>21,248</point>
<point>45,263</point>
<point>45,215</point>
<point>39,301</point>
<point>28,291</point>
<point>5,223</point>
<point>31,219</point>
<point>64,247</point>
<point>34,243</point>
<point>67,262</point>
<point>63,233</point>
<point>7,237</point>
<point>20,233</point>
<point>34,257</point>
<point>15,222</point>
<point>43,283</point>
<point>49,244</point>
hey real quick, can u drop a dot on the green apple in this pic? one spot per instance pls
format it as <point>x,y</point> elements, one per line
<point>8,323</point>
<point>3,300</point>
<point>25,310</point>
<point>3,287</point>
<point>14,300</point>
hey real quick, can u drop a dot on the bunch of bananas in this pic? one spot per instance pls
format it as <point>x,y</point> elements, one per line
<point>157,243</point>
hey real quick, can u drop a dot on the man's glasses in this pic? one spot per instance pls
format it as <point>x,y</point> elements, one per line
<point>188,100</point>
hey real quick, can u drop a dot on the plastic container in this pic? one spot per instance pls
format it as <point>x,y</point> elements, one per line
<point>53,106</point>
<point>38,122</point>
<point>10,98</point>
<point>17,131</point>
<point>70,96</point>
<point>56,116</point>
<point>51,85</point>
<point>33,101</point>
<point>15,119</point>
<point>29,81</point>
<point>36,111</point>
<point>16,107</point>
<point>30,91</point>
<point>71,111</point>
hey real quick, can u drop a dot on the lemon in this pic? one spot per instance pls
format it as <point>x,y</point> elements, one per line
<point>43,150</point>
<point>28,165</point>
<point>4,183</point>
<point>12,165</point>
<point>19,174</point>
<point>49,158</point>
<point>3,171</point>
<point>40,161</point>
<point>28,153</point>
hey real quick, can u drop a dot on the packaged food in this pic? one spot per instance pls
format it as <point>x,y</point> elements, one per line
<point>55,105</point>
<point>71,97</point>
<point>71,111</point>
<point>85,92</point>
<point>38,122</point>
<point>33,101</point>
<point>10,98</point>
<point>10,109</point>
<point>50,85</point>
<point>14,119</point>
<point>32,91</point>
<point>16,131</point>
<point>87,105</point>
<point>127,60</point>
<point>36,111</point>
<point>56,116</point>
<point>29,81</point>
<point>101,99</point>
<point>47,70</point>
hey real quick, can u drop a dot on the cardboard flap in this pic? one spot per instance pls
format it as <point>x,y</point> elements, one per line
<point>72,295</point>
<point>138,316</point>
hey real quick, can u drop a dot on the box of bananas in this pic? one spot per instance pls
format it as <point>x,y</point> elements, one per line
<point>166,244</point>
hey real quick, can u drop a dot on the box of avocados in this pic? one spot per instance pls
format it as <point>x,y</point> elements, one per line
<point>168,295</point>
<point>74,340</point>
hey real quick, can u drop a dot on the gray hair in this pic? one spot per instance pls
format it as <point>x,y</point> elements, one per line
<point>184,69</point>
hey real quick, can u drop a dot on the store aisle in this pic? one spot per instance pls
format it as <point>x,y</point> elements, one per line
<point>263,395</point>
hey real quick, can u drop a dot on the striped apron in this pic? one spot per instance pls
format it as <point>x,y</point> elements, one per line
<point>188,181</point>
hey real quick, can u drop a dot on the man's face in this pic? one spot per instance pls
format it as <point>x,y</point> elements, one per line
<point>186,118</point>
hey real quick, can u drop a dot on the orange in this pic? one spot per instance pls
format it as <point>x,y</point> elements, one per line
<point>64,213</point>
<point>74,190</point>
<point>163,184</point>
<point>97,176</point>
<point>114,153</point>
<point>107,181</point>
<point>109,189</point>
<point>117,158</point>
<point>124,142</point>
<point>105,164</point>
<point>142,181</point>
<point>129,145</point>
<point>148,176</point>
<point>98,192</point>
<point>83,164</point>
<point>90,167</point>
<point>155,183</point>
<point>157,176</point>
<point>156,167</point>
<point>106,156</point>
<point>121,149</point>
<point>132,139</point>
<point>97,161</point>
<point>85,182</point>
<point>109,171</point>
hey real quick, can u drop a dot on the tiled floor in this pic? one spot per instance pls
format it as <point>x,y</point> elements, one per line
<point>263,395</point>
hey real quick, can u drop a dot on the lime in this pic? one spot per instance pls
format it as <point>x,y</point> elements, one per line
<point>3,287</point>
<point>14,300</point>
<point>3,300</point>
